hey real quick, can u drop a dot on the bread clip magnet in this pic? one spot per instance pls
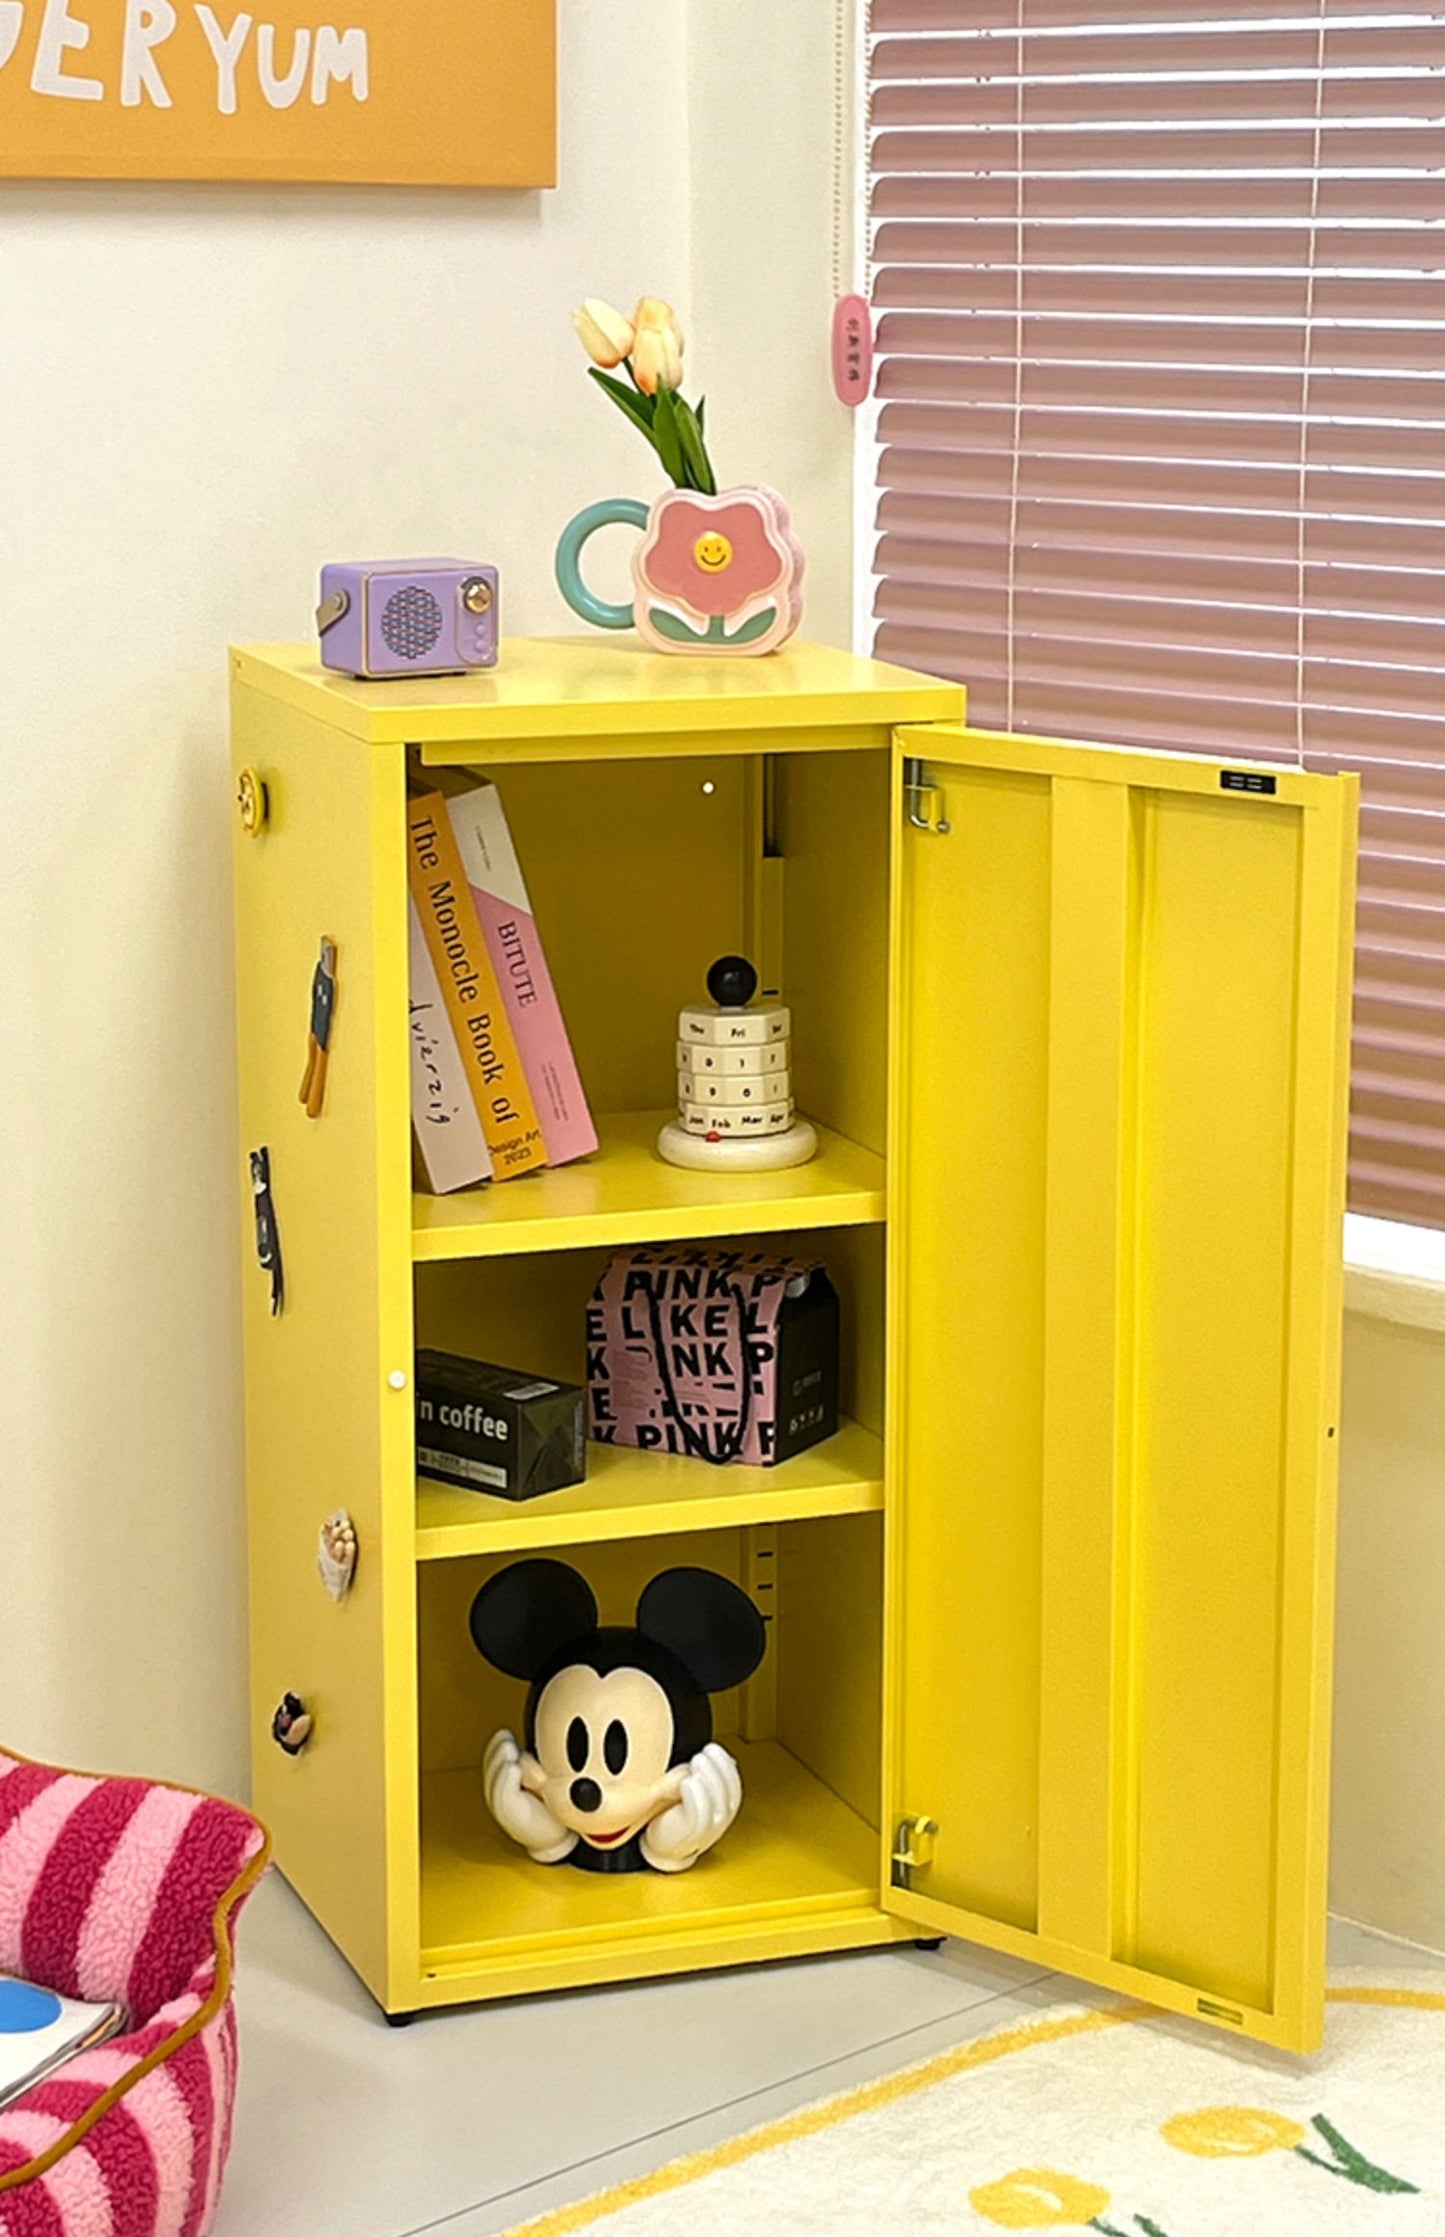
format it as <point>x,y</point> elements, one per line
<point>292,1725</point>
<point>268,1235</point>
<point>336,1554</point>
<point>312,1091</point>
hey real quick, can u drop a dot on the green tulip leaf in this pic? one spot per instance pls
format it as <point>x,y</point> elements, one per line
<point>637,408</point>
<point>633,397</point>
<point>694,449</point>
<point>757,625</point>
<point>668,625</point>
<point>668,440</point>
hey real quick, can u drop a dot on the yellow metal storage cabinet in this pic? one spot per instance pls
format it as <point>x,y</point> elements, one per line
<point>1049,1619</point>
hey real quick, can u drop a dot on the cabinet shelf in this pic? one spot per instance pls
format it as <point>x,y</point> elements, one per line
<point>625,1193</point>
<point>630,1494</point>
<point>796,1848</point>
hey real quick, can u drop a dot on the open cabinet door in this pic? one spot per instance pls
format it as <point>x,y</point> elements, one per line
<point>1117,1140</point>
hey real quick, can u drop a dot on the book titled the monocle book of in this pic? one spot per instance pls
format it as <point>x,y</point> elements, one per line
<point>484,1037</point>
<point>504,911</point>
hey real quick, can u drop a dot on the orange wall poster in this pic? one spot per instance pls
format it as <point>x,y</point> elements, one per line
<point>407,92</point>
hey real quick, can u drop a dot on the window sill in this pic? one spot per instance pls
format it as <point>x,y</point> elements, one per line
<point>1395,1272</point>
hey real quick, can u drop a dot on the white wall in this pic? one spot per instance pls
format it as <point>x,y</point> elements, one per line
<point>1388,1853</point>
<point>762,154</point>
<point>206,392</point>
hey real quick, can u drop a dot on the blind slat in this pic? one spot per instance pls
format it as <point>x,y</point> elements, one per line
<point>1158,100</point>
<point>1185,388</point>
<point>1250,195</point>
<point>1406,146</point>
<point>1158,340</point>
<point>1042,15</point>
<point>1087,428</point>
<point>1154,242</point>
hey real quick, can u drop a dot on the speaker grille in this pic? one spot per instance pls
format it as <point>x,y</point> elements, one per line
<point>411,622</point>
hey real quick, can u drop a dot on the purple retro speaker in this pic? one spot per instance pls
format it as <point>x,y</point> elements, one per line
<point>408,617</point>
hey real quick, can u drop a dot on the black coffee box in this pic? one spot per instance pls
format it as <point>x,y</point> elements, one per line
<point>496,1429</point>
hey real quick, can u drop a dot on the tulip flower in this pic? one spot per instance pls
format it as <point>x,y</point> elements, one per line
<point>650,346</point>
<point>1248,2131</point>
<point>657,349</point>
<point>1042,2198</point>
<point>603,332</point>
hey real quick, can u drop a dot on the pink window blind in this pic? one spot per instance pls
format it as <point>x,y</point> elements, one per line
<point>1161,287</point>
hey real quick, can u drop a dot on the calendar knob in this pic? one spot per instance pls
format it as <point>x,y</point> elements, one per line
<point>732,982</point>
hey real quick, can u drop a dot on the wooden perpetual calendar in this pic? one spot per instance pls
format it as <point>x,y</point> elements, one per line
<point>1049,1618</point>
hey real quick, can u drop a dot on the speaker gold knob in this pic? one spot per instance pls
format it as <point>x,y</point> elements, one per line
<point>476,594</point>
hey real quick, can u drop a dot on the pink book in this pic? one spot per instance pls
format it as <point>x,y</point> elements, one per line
<point>499,893</point>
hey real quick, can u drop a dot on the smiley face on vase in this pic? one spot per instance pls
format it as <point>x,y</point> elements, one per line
<point>713,553</point>
<point>618,1770</point>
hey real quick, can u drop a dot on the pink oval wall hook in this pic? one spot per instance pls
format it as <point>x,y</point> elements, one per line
<point>852,350</point>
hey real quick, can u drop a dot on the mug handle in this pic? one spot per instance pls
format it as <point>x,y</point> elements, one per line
<point>599,611</point>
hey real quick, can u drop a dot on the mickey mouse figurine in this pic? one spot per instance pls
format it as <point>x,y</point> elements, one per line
<point>620,1772</point>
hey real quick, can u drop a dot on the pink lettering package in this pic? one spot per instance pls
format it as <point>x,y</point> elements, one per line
<point>716,1354</point>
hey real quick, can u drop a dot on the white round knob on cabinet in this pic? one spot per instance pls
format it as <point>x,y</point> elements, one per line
<point>397,1379</point>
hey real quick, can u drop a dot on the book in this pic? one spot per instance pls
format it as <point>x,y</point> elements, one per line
<point>504,911</point>
<point>40,2029</point>
<point>490,1063</point>
<point>449,1138</point>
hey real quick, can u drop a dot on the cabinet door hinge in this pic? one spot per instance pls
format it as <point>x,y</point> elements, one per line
<point>913,1848</point>
<point>923,801</point>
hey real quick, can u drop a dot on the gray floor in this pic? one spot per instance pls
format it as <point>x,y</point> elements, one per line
<point>470,2122</point>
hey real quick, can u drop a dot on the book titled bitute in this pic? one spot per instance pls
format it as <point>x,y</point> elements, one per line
<point>504,911</point>
<point>490,1060</point>
<point>448,1133</point>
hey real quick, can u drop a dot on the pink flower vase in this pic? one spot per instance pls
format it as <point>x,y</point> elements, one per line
<point>717,574</point>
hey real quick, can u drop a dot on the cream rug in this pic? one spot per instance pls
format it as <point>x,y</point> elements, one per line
<point>1103,2117</point>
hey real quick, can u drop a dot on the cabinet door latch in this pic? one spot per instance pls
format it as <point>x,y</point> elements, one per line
<point>923,800</point>
<point>913,1848</point>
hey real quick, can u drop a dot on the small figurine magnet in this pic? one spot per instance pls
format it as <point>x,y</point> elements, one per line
<point>618,1770</point>
<point>268,1234</point>
<point>734,1082</point>
<point>318,1041</point>
<point>292,1725</point>
<point>336,1554</point>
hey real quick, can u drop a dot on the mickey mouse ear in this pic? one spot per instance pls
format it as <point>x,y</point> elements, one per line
<point>525,1613</point>
<point>709,1623</point>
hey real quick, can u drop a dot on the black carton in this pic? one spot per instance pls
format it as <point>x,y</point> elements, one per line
<point>496,1429</point>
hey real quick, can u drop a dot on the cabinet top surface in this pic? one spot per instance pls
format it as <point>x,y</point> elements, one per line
<point>602,686</point>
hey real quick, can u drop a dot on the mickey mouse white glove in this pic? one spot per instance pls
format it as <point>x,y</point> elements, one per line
<point>708,1800</point>
<point>525,1816</point>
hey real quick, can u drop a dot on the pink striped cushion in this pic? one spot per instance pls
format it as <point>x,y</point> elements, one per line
<point>123,1888</point>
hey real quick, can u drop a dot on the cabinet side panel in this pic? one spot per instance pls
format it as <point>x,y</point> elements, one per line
<point>829,1635</point>
<point>832,829</point>
<point>323,1427</point>
<point>968,1174</point>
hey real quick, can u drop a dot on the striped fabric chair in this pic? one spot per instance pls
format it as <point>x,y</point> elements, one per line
<point>120,1888</point>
